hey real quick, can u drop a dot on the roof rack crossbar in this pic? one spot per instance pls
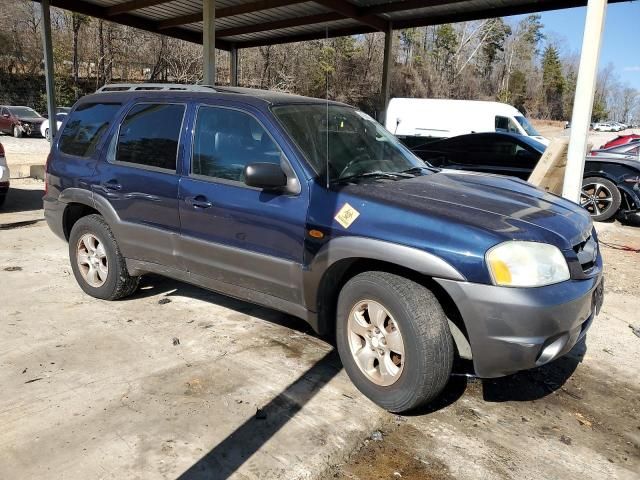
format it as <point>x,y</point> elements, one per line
<point>154,87</point>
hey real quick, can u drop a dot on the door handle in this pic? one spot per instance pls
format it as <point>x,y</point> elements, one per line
<point>111,185</point>
<point>199,201</point>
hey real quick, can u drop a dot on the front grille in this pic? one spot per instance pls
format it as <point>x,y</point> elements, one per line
<point>587,252</point>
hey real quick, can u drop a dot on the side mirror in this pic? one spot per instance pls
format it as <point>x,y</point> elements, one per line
<point>5,115</point>
<point>268,176</point>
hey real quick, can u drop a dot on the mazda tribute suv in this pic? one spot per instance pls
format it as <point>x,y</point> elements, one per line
<point>312,208</point>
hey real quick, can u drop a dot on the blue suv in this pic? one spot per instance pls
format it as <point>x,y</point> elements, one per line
<point>313,208</point>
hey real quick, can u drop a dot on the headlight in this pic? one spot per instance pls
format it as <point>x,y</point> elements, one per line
<point>526,264</point>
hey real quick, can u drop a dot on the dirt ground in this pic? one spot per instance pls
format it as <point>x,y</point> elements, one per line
<point>178,382</point>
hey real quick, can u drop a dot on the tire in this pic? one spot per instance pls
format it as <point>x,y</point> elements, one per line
<point>46,134</point>
<point>423,370</point>
<point>17,132</point>
<point>116,282</point>
<point>600,197</point>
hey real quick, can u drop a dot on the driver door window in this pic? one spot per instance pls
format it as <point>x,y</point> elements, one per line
<point>226,140</point>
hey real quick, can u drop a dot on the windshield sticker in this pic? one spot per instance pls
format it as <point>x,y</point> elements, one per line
<point>346,215</point>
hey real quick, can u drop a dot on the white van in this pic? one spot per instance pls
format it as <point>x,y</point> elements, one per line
<point>429,117</point>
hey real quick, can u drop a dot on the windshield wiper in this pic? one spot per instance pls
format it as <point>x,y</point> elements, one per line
<point>376,174</point>
<point>419,169</point>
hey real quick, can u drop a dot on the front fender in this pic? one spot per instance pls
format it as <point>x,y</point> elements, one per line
<point>342,248</point>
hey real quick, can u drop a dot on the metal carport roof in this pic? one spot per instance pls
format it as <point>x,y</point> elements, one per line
<point>235,24</point>
<point>251,23</point>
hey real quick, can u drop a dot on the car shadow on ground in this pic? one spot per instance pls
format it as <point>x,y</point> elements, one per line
<point>536,383</point>
<point>524,386</point>
<point>22,200</point>
<point>151,285</point>
<point>233,451</point>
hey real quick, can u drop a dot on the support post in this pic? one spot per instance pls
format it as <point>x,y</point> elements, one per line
<point>387,63</point>
<point>48,68</point>
<point>209,41</point>
<point>234,65</point>
<point>583,100</point>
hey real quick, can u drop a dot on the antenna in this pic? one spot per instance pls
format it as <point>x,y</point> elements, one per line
<point>326,96</point>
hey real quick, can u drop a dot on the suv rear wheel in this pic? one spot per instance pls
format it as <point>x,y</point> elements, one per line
<point>394,341</point>
<point>97,263</point>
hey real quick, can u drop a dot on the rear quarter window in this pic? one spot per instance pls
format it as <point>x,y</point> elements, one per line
<point>85,127</point>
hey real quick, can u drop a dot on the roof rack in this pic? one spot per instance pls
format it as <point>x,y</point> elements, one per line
<point>154,87</point>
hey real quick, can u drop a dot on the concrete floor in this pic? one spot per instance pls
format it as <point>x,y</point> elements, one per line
<point>178,382</point>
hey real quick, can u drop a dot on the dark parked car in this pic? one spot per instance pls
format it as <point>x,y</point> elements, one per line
<point>20,121</point>
<point>313,208</point>
<point>627,151</point>
<point>609,187</point>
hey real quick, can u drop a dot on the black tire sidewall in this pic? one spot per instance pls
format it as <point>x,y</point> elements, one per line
<point>95,227</point>
<point>403,391</point>
<point>615,194</point>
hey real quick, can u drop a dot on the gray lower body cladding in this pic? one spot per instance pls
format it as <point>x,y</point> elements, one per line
<point>513,329</point>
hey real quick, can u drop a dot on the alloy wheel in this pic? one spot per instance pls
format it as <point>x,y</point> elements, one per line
<point>92,260</point>
<point>596,198</point>
<point>375,342</point>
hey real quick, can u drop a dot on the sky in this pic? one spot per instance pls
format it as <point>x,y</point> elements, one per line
<point>621,43</point>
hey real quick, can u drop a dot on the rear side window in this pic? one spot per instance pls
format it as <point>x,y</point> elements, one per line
<point>149,135</point>
<point>86,126</point>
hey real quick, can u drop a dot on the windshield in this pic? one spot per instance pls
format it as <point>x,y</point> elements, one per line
<point>24,112</point>
<point>524,123</point>
<point>349,142</point>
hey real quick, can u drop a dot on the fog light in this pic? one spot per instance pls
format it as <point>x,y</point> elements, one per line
<point>551,351</point>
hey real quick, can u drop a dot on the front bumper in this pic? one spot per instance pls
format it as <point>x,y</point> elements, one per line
<point>513,329</point>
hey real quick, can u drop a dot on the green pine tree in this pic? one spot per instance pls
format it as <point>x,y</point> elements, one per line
<point>553,83</point>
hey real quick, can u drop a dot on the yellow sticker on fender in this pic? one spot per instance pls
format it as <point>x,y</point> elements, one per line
<point>346,215</point>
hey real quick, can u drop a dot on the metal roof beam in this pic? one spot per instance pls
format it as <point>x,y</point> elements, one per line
<point>278,24</point>
<point>349,10</point>
<point>304,37</point>
<point>133,5</point>
<point>129,20</point>
<point>491,12</point>
<point>228,11</point>
<point>406,5</point>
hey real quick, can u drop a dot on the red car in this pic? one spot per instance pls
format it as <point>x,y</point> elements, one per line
<point>20,121</point>
<point>620,140</point>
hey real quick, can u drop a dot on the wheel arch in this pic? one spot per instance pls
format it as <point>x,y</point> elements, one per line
<point>80,203</point>
<point>416,265</point>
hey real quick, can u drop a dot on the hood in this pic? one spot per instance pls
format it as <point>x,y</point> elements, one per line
<point>543,140</point>
<point>509,209</point>
<point>31,120</point>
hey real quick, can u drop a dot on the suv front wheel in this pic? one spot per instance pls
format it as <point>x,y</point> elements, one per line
<point>97,263</point>
<point>394,341</point>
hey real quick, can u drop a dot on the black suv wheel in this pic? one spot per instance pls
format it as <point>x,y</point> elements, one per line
<point>97,263</point>
<point>600,197</point>
<point>394,341</point>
